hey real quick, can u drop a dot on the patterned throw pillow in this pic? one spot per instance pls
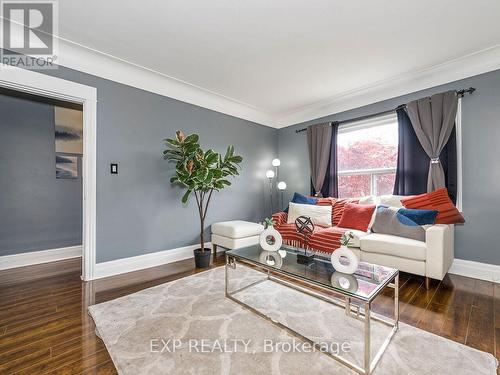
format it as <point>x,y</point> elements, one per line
<point>403,222</point>
<point>437,200</point>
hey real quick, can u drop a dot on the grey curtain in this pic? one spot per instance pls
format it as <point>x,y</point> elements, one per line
<point>433,120</point>
<point>319,138</point>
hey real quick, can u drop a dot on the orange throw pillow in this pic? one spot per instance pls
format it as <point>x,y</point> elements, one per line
<point>357,216</point>
<point>437,200</point>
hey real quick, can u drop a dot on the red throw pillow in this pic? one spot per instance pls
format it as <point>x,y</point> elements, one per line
<point>357,216</point>
<point>437,200</point>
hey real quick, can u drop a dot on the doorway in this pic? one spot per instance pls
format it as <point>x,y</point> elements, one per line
<point>71,97</point>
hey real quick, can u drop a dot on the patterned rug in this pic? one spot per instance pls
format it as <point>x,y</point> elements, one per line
<point>189,327</point>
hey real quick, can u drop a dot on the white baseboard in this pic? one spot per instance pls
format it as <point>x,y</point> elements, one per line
<point>476,270</point>
<point>116,267</point>
<point>38,257</point>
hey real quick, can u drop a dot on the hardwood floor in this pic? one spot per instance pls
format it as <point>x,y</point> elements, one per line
<point>45,329</point>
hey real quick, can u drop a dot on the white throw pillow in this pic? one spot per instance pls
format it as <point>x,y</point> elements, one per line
<point>369,199</point>
<point>320,215</point>
<point>391,200</point>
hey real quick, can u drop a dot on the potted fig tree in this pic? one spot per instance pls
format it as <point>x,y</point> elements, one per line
<point>200,173</point>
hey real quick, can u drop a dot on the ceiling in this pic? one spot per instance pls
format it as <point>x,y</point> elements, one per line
<point>282,57</point>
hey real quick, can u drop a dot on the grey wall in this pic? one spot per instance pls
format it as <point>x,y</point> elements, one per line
<point>37,211</point>
<point>138,211</point>
<point>476,240</point>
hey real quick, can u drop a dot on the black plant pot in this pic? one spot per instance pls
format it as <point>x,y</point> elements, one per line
<point>202,258</point>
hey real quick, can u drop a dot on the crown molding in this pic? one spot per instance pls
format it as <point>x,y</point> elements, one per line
<point>75,56</point>
<point>466,66</point>
<point>88,60</point>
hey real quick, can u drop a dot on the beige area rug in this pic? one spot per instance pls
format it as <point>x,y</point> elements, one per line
<point>189,327</point>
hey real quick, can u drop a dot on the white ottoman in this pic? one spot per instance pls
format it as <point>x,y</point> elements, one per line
<point>234,234</point>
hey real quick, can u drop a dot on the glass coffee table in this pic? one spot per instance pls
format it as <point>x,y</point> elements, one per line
<point>354,293</point>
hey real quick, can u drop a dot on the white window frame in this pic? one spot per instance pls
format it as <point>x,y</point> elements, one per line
<point>366,124</point>
<point>373,174</point>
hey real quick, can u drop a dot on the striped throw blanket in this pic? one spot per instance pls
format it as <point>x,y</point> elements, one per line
<point>323,240</point>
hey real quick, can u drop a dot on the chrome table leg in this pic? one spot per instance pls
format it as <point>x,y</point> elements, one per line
<point>396,301</point>
<point>367,361</point>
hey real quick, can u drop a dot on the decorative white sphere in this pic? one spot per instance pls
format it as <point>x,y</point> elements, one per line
<point>281,185</point>
<point>276,162</point>
<point>270,173</point>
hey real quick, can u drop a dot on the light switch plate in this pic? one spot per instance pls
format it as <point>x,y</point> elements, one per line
<point>114,168</point>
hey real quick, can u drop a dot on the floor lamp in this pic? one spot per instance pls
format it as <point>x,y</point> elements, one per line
<point>270,176</point>
<point>281,189</point>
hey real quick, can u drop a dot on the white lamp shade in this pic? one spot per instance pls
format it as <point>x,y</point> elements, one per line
<point>281,185</point>
<point>276,162</point>
<point>270,174</point>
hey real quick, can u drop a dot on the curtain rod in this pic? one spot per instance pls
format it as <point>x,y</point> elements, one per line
<point>460,94</point>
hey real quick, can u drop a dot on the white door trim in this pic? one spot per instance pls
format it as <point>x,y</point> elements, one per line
<point>41,84</point>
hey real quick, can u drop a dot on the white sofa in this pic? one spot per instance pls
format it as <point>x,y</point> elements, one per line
<point>431,258</point>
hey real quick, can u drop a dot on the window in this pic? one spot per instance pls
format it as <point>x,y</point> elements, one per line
<point>367,156</point>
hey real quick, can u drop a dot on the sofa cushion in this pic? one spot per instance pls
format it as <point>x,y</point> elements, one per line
<point>368,199</point>
<point>302,199</point>
<point>320,215</point>
<point>436,200</point>
<point>237,228</point>
<point>419,217</point>
<point>357,216</point>
<point>393,245</point>
<point>391,200</point>
<point>392,220</point>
